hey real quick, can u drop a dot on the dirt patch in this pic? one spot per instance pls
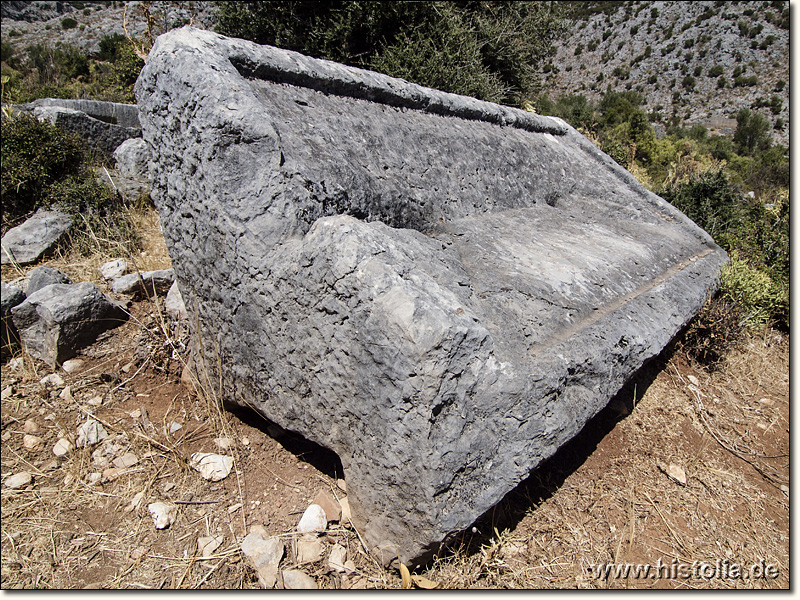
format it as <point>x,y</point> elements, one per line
<point>605,503</point>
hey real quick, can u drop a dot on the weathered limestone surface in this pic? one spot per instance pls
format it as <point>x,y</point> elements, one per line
<point>38,235</point>
<point>441,290</point>
<point>104,125</point>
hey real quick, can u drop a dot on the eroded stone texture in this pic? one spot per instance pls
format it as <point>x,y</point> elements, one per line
<point>441,290</point>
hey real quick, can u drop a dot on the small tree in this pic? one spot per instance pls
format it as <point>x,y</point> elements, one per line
<point>752,132</point>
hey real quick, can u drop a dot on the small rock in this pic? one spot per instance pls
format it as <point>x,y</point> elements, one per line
<point>245,441</point>
<point>785,490</point>
<point>213,467</point>
<point>49,465</point>
<point>30,426</point>
<point>308,549</point>
<point>173,305</point>
<point>144,284</point>
<point>62,447</point>
<point>15,364</point>
<point>52,380</point>
<point>222,443</point>
<point>6,435</point>
<point>331,506</point>
<point>677,473</point>
<point>338,558</point>
<point>313,520</point>
<point>96,401</point>
<point>294,579</point>
<point>69,479</point>
<point>32,442</point>
<point>19,480</point>
<point>27,243</point>
<point>7,392</point>
<point>207,545</point>
<point>113,269</point>
<point>173,427</point>
<point>126,461</point>
<point>349,566</point>
<point>90,433</point>
<point>94,478</point>
<point>168,486</point>
<point>111,473</point>
<point>233,508</point>
<point>259,529</point>
<point>138,552</point>
<point>163,514</point>
<point>264,554</point>
<point>345,518</point>
<point>693,380</point>
<point>136,413</point>
<point>766,401</point>
<point>40,277</point>
<point>72,365</point>
<point>66,394</point>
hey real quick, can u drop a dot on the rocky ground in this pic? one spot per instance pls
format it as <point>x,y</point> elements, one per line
<point>685,466</point>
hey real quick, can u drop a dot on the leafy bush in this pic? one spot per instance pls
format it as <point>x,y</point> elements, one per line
<point>68,23</point>
<point>752,132</point>
<point>716,71</point>
<point>489,49</point>
<point>35,156</point>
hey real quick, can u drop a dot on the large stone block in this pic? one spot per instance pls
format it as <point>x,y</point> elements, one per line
<point>441,290</point>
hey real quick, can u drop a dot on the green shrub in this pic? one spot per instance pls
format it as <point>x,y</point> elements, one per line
<point>760,297</point>
<point>752,132</point>
<point>745,81</point>
<point>688,82</point>
<point>716,71</point>
<point>35,156</point>
<point>68,23</point>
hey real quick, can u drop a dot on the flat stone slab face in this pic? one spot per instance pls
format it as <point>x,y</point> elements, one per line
<point>441,290</point>
<point>27,243</point>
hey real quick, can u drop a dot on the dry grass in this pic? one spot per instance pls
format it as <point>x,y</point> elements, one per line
<point>604,498</point>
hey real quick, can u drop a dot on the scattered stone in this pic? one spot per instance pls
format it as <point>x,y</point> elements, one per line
<point>173,305</point>
<point>114,269</point>
<point>222,443</point>
<point>264,554</point>
<point>234,507</point>
<point>308,549</point>
<point>345,518</point>
<point>313,520</point>
<point>7,392</point>
<point>677,473</point>
<point>331,506</point>
<point>213,467</point>
<point>693,380</point>
<point>294,579</point>
<point>245,441</point>
<point>168,486</point>
<point>41,277</point>
<point>126,461</point>
<point>32,442</point>
<point>90,433</point>
<point>173,427</point>
<point>19,480</point>
<point>259,529</point>
<point>94,478</point>
<point>53,380</point>
<point>6,435</point>
<point>111,473</point>
<point>57,321</point>
<point>31,426</point>
<point>208,544</point>
<point>16,363</point>
<point>96,401</point>
<point>142,285</point>
<point>138,552</point>
<point>10,297</point>
<point>349,566</point>
<point>785,490</point>
<point>337,558</point>
<point>132,157</point>
<point>72,365</point>
<point>49,465</point>
<point>164,514</point>
<point>27,243</point>
<point>69,479</point>
<point>62,447</point>
<point>766,402</point>
<point>66,394</point>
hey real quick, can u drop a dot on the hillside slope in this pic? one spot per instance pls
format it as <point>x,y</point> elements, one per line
<point>676,54</point>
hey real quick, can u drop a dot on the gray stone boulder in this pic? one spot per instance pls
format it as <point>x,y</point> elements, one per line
<point>146,284</point>
<point>41,277</point>
<point>27,243</point>
<point>60,319</point>
<point>132,157</point>
<point>173,305</point>
<point>441,290</point>
<point>104,125</point>
<point>10,297</point>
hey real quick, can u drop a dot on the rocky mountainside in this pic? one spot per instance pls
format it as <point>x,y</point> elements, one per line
<point>696,62</point>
